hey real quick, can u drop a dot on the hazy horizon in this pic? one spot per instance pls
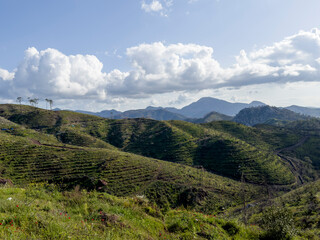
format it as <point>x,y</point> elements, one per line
<point>42,104</point>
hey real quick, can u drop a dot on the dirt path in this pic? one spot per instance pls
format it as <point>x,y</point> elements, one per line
<point>36,142</point>
<point>288,160</point>
<point>298,144</point>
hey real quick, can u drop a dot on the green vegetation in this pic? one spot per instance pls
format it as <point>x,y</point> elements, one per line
<point>174,141</point>
<point>278,223</point>
<point>147,179</point>
<point>262,114</point>
<point>118,173</point>
<point>293,214</point>
<point>213,116</point>
<point>264,137</point>
<point>188,143</point>
<point>310,151</point>
<point>43,212</point>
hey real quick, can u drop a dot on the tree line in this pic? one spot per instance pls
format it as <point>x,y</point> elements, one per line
<point>34,102</point>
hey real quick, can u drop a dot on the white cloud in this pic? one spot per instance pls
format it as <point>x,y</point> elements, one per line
<point>292,59</point>
<point>51,73</point>
<point>154,6</point>
<point>162,7</point>
<point>6,75</point>
<point>160,69</point>
<point>168,3</point>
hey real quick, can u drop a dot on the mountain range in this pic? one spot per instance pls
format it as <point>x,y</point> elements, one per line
<point>195,110</point>
<point>211,109</point>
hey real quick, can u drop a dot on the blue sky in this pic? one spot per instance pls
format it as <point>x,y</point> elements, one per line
<point>125,52</point>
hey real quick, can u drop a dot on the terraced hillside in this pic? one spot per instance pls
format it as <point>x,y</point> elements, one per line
<point>27,161</point>
<point>263,136</point>
<point>174,141</point>
<point>192,144</point>
<point>300,208</point>
<point>298,147</point>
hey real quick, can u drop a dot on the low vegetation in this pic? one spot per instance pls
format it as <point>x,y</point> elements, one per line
<point>148,179</point>
<point>43,212</point>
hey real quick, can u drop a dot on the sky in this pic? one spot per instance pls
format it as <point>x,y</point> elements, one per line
<point>127,54</point>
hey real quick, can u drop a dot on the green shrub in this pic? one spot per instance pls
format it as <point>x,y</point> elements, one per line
<point>231,228</point>
<point>278,224</point>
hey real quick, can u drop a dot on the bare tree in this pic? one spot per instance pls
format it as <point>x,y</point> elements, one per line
<point>50,103</point>
<point>47,101</point>
<point>19,100</point>
<point>31,101</point>
<point>36,101</point>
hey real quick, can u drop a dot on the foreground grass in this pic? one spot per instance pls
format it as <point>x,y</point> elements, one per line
<point>42,212</point>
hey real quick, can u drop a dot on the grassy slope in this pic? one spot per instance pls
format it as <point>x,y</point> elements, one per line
<point>174,141</point>
<point>213,116</point>
<point>67,126</point>
<point>263,136</point>
<point>11,128</point>
<point>167,184</point>
<point>305,158</point>
<point>262,114</point>
<point>39,212</point>
<point>310,151</point>
<point>192,144</point>
<point>303,202</point>
<point>22,161</point>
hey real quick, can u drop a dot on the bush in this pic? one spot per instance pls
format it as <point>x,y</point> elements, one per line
<point>278,224</point>
<point>231,228</point>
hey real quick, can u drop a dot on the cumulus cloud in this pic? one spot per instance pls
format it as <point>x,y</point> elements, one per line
<point>162,6</point>
<point>293,59</point>
<point>51,73</point>
<point>154,6</point>
<point>6,75</point>
<point>5,80</point>
<point>158,68</point>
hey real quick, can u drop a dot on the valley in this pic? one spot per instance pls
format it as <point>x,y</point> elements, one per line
<point>218,168</point>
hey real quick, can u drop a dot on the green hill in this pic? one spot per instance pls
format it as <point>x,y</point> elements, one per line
<point>262,136</point>
<point>28,161</point>
<point>258,115</point>
<point>193,144</point>
<point>213,116</point>
<point>134,176</point>
<point>301,205</point>
<point>297,147</point>
<point>174,141</point>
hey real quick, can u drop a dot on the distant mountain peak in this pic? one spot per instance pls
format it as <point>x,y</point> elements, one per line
<point>257,103</point>
<point>153,108</point>
<point>206,105</point>
<point>261,114</point>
